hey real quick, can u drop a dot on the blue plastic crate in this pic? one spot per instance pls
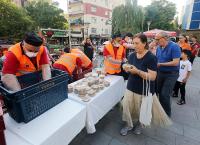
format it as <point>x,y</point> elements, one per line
<point>36,96</point>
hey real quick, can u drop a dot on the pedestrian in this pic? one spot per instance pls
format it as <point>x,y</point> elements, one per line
<point>25,57</point>
<point>114,55</point>
<point>183,42</point>
<point>142,66</point>
<point>168,54</point>
<point>184,73</point>
<point>127,43</point>
<point>195,48</point>
<point>88,48</point>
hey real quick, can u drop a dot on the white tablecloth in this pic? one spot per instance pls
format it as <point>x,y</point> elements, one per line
<point>13,139</point>
<point>57,126</point>
<point>102,102</point>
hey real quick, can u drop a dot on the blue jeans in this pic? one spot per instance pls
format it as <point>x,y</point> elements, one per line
<point>165,85</point>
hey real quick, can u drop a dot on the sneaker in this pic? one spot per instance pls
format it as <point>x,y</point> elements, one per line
<point>124,131</point>
<point>181,102</point>
<point>138,129</point>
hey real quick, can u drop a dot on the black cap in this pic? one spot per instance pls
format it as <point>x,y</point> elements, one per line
<point>33,39</point>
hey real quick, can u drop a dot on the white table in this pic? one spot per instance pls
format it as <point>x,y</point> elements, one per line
<point>13,139</point>
<point>102,102</point>
<point>57,126</point>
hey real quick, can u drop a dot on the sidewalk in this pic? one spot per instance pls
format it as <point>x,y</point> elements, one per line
<point>184,131</point>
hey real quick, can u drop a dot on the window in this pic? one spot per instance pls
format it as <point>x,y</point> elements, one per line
<point>94,30</point>
<point>94,20</point>
<point>93,9</point>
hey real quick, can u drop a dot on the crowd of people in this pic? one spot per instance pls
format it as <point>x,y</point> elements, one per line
<point>160,68</point>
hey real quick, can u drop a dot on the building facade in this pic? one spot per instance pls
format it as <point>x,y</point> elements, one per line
<point>191,17</point>
<point>93,17</point>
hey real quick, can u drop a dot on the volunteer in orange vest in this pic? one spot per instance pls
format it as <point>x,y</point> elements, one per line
<point>25,57</point>
<point>86,62</point>
<point>114,54</point>
<point>68,62</point>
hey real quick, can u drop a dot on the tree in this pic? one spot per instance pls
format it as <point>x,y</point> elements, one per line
<point>14,21</point>
<point>46,15</point>
<point>128,18</point>
<point>161,14</point>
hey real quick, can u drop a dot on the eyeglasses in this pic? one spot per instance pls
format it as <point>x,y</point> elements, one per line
<point>158,39</point>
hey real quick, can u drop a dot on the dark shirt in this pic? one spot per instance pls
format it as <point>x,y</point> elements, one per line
<point>135,82</point>
<point>88,50</point>
<point>167,54</point>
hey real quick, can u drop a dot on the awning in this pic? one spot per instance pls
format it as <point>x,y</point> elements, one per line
<point>153,32</point>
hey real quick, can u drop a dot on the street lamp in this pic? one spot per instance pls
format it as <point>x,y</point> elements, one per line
<point>148,23</point>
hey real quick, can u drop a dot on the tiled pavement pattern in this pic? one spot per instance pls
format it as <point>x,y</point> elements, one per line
<point>184,131</point>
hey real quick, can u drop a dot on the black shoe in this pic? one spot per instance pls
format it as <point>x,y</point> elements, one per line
<point>181,102</point>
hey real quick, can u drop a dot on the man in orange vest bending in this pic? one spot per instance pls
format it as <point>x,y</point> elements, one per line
<point>86,62</point>
<point>114,54</point>
<point>25,57</point>
<point>68,62</point>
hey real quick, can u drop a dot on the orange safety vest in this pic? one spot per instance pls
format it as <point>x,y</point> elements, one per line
<point>69,61</point>
<point>84,59</point>
<point>112,68</point>
<point>25,66</point>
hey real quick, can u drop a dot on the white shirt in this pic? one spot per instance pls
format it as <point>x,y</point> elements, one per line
<point>185,67</point>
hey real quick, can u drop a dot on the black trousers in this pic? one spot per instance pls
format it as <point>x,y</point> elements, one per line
<point>165,85</point>
<point>180,86</point>
<point>192,59</point>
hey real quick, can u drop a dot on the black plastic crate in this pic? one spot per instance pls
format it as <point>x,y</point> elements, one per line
<point>36,96</point>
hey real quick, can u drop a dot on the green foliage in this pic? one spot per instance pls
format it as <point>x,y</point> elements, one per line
<point>128,18</point>
<point>46,15</point>
<point>14,21</point>
<point>161,14</point>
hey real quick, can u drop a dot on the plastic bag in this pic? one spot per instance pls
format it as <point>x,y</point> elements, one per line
<point>146,106</point>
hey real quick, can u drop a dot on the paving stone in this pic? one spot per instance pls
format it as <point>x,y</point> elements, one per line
<point>99,138</point>
<point>182,140</point>
<point>149,132</point>
<point>176,128</point>
<point>116,142</point>
<point>165,136</point>
<point>136,139</point>
<point>150,141</point>
<point>113,128</point>
<point>192,133</point>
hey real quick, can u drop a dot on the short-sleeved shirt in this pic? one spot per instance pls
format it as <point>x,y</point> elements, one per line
<point>167,54</point>
<point>11,63</point>
<point>135,82</point>
<point>185,67</point>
